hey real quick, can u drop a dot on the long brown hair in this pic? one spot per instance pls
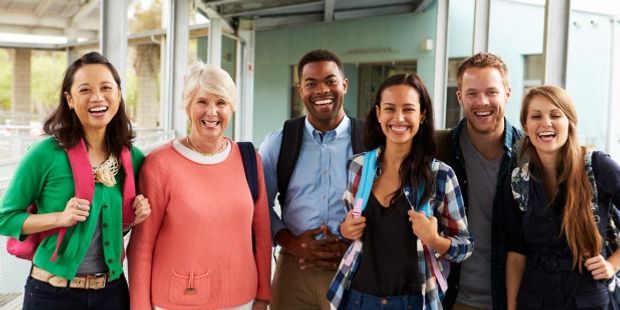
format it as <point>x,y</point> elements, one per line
<point>416,168</point>
<point>578,223</point>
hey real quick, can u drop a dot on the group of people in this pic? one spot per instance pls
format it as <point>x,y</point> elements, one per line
<point>386,213</point>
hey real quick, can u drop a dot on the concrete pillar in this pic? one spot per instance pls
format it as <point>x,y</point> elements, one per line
<point>21,81</point>
<point>146,71</point>
<point>245,80</point>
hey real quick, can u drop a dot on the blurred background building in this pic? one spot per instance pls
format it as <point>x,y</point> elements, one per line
<point>571,43</point>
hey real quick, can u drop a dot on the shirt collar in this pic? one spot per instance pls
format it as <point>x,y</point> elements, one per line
<point>342,128</point>
<point>508,134</point>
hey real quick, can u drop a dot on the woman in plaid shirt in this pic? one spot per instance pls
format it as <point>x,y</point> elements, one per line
<point>406,213</point>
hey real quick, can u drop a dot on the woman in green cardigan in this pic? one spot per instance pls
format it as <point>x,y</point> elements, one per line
<point>81,179</point>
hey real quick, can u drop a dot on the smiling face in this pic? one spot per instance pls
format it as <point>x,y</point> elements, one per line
<point>483,96</point>
<point>94,96</point>
<point>546,126</point>
<point>209,115</point>
<point>399,114</point>
<point>322,88</point>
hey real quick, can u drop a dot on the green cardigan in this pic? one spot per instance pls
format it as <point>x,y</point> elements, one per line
<point>44,176</point>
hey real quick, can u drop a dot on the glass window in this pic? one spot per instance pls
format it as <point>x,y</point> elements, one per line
<point>454,112</point>
<point>533,71</point>
<point>592,71</point>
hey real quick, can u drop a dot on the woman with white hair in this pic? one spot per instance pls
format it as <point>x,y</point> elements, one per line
<point>207,244</point>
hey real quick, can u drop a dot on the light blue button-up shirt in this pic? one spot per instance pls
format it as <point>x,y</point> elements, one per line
<point>314,195</point>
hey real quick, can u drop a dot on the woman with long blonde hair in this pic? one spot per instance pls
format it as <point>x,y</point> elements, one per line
<point>562,199</point>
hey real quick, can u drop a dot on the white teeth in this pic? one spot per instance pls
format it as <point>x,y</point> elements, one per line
<point>486,113</point>
<point>399,128</point>
<point>546,134</point>
<point>98,109</point>
<point>210,124</point>
<point>324,101</point>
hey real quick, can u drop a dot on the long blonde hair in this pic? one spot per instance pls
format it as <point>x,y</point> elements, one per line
<point>578,223</point>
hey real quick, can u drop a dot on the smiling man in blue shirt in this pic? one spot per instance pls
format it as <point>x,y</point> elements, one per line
<point>311,201</point>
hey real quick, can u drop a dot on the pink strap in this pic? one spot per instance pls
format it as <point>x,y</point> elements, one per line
<point>129,188</point>
<point>435,270</point>
<point>84,181</point>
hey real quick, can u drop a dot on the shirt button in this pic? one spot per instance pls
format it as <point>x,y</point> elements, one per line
<point>324,146</point>
<point>104,225</point>
<point>384,301</point>
<point>109,260</point>
<point>323,197</point>
<point>107,243</point>
<point>105,206</point>
<point>112,272</point>
<point>324,172</point>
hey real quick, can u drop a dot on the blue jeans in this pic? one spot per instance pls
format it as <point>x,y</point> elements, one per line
<point>361,301</point>
<point>41,295</point>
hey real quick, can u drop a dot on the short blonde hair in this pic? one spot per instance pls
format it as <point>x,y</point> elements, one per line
<point>212,79</point>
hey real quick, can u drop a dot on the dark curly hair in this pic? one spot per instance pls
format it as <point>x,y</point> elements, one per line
<point>316,56</point>
<point>64,125</point>
<point>416,168</point>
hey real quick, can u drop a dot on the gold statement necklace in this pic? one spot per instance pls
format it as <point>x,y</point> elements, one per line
<point>219,149</point>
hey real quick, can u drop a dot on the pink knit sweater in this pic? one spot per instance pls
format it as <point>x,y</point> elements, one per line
<point>195,250</point>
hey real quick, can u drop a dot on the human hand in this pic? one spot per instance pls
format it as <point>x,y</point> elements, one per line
<point>76,210</point>
<point>600,268</point>
<point>327,253</point>
<point>352,228</point>
<point>142,209</point>
<point>259,305</point>
<point>424,228</point>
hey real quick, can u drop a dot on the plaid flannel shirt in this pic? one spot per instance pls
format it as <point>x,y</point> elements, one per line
<point>452,223</point>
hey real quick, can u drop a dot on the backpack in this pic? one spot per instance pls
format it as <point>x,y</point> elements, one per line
<point>84,183</point>
<point>292,138</point>
<point>248,154</point>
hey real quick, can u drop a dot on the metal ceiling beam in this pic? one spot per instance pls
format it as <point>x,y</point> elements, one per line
<point>357,4</point>
<point>385,10</point>
<point>219,2</point>
<point>423,5</point>
<point>300,8</point>
<point>271,22</point>
<point>328,11</point>
<point>210,13</point>
<point>42,7</point>
<point>32,46</point>
<point>32,20</point>
<point>85,10</point>
<point>43,31</point>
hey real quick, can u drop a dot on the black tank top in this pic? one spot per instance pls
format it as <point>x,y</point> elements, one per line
<point>389,263</point>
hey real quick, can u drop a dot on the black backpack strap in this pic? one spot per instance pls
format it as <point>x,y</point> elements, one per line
<point>248,154</point>
<point>444,149</point>
<point>357,135</point>
<point>292,137</point>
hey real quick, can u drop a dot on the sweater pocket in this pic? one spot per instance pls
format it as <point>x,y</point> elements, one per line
<point>191,289</point>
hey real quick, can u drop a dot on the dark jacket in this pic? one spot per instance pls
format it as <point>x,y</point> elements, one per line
<point>450,153</point>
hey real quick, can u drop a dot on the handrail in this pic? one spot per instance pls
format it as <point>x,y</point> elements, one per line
<point>145,141</point>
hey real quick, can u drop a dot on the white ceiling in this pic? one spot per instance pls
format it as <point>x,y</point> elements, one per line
<point>70,18</point>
